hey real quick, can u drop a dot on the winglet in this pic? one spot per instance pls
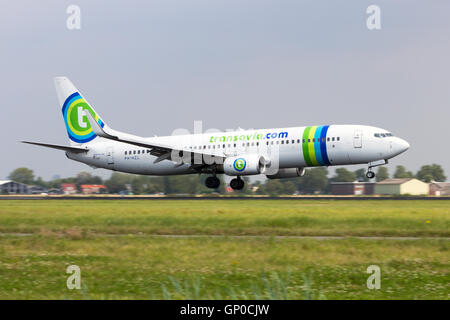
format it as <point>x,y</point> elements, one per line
<point>98,130</point>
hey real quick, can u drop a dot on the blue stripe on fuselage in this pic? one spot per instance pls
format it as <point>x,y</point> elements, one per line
<point>323,146</point>
<point>317,149</point>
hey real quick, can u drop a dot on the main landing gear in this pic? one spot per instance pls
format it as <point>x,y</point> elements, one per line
<point>212,182</point>
<point>237,183</point>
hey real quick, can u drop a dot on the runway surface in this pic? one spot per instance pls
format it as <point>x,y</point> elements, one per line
<point>242,236</point>
<point>113,197</point>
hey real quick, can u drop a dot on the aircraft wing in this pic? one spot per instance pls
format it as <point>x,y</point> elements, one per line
<point>59,147</point>
<point>163,152</point>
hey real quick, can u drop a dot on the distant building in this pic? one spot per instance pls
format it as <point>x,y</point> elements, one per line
<point>12,187</point>
<point>402,186</point>
<point>36,190</point>
<point>352,188</point>
<point>92,188</point>
<point>69,188</point>
<point>55,191</point>
<point>440,188</point>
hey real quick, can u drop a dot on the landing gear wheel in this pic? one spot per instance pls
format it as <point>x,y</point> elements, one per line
<point>237,184</point>
<point>370,174</point>
<point>212,182</point>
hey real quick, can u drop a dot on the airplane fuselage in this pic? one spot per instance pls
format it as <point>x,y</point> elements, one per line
<point>296,147</point>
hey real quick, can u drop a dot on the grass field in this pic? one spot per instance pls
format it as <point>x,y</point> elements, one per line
<point>115,244</point>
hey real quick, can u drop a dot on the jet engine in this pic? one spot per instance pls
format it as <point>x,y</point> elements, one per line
<point>245,165</point>
<point>287,173</point>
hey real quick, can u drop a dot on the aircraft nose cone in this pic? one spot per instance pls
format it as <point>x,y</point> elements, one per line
<point>399,146</point>
<point>403,145</point>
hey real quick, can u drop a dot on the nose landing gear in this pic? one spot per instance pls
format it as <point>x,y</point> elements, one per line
<point>237,183</point>
<point>212,182</point>
<point>370,174</point>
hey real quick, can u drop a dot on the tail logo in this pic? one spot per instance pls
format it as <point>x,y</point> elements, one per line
<point>77,125</point>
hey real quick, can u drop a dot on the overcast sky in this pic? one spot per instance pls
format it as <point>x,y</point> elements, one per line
<point>149,67</point>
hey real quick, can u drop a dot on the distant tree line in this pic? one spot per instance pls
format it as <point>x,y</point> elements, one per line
<point>315,181</point>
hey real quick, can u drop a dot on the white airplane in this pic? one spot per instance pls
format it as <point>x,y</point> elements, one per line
<point>276,153</point>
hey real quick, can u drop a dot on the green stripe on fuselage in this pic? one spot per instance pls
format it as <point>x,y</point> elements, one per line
<point>305,147</point>
<point>312,151</point>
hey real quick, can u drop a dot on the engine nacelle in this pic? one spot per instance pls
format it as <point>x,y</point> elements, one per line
<point>287,173</point>
<point>244,165</point>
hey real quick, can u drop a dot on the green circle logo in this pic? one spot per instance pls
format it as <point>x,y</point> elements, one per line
<point>77,125</point>
<point>239,164</point>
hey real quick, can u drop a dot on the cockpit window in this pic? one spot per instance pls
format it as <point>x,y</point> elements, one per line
<point>383,135</point>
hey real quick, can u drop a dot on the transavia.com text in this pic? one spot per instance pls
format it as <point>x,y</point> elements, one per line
<point>231,309</point>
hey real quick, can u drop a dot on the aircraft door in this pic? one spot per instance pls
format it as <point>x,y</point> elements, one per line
<point>110,155</point>
<point>357,139</point>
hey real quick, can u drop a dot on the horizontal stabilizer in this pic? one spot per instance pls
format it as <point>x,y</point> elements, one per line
<point>58,147</point>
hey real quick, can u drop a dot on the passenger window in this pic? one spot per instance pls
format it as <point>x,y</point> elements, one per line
<point>267,142</point>
<point>278,142</point>
<point>328,139</point>
<point>287,141</point>
<point>383,135</point>
<point>332,139</point>
<point>282,141</point>
<point>303,140</point>
<point>309,140</point>
<point>134,151</point>
<point>377,135</point>
<point>338,138</point>
<point>125,153</point>
<point>234,145</point>
<point>298,141</point>
<point>257,144</point>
